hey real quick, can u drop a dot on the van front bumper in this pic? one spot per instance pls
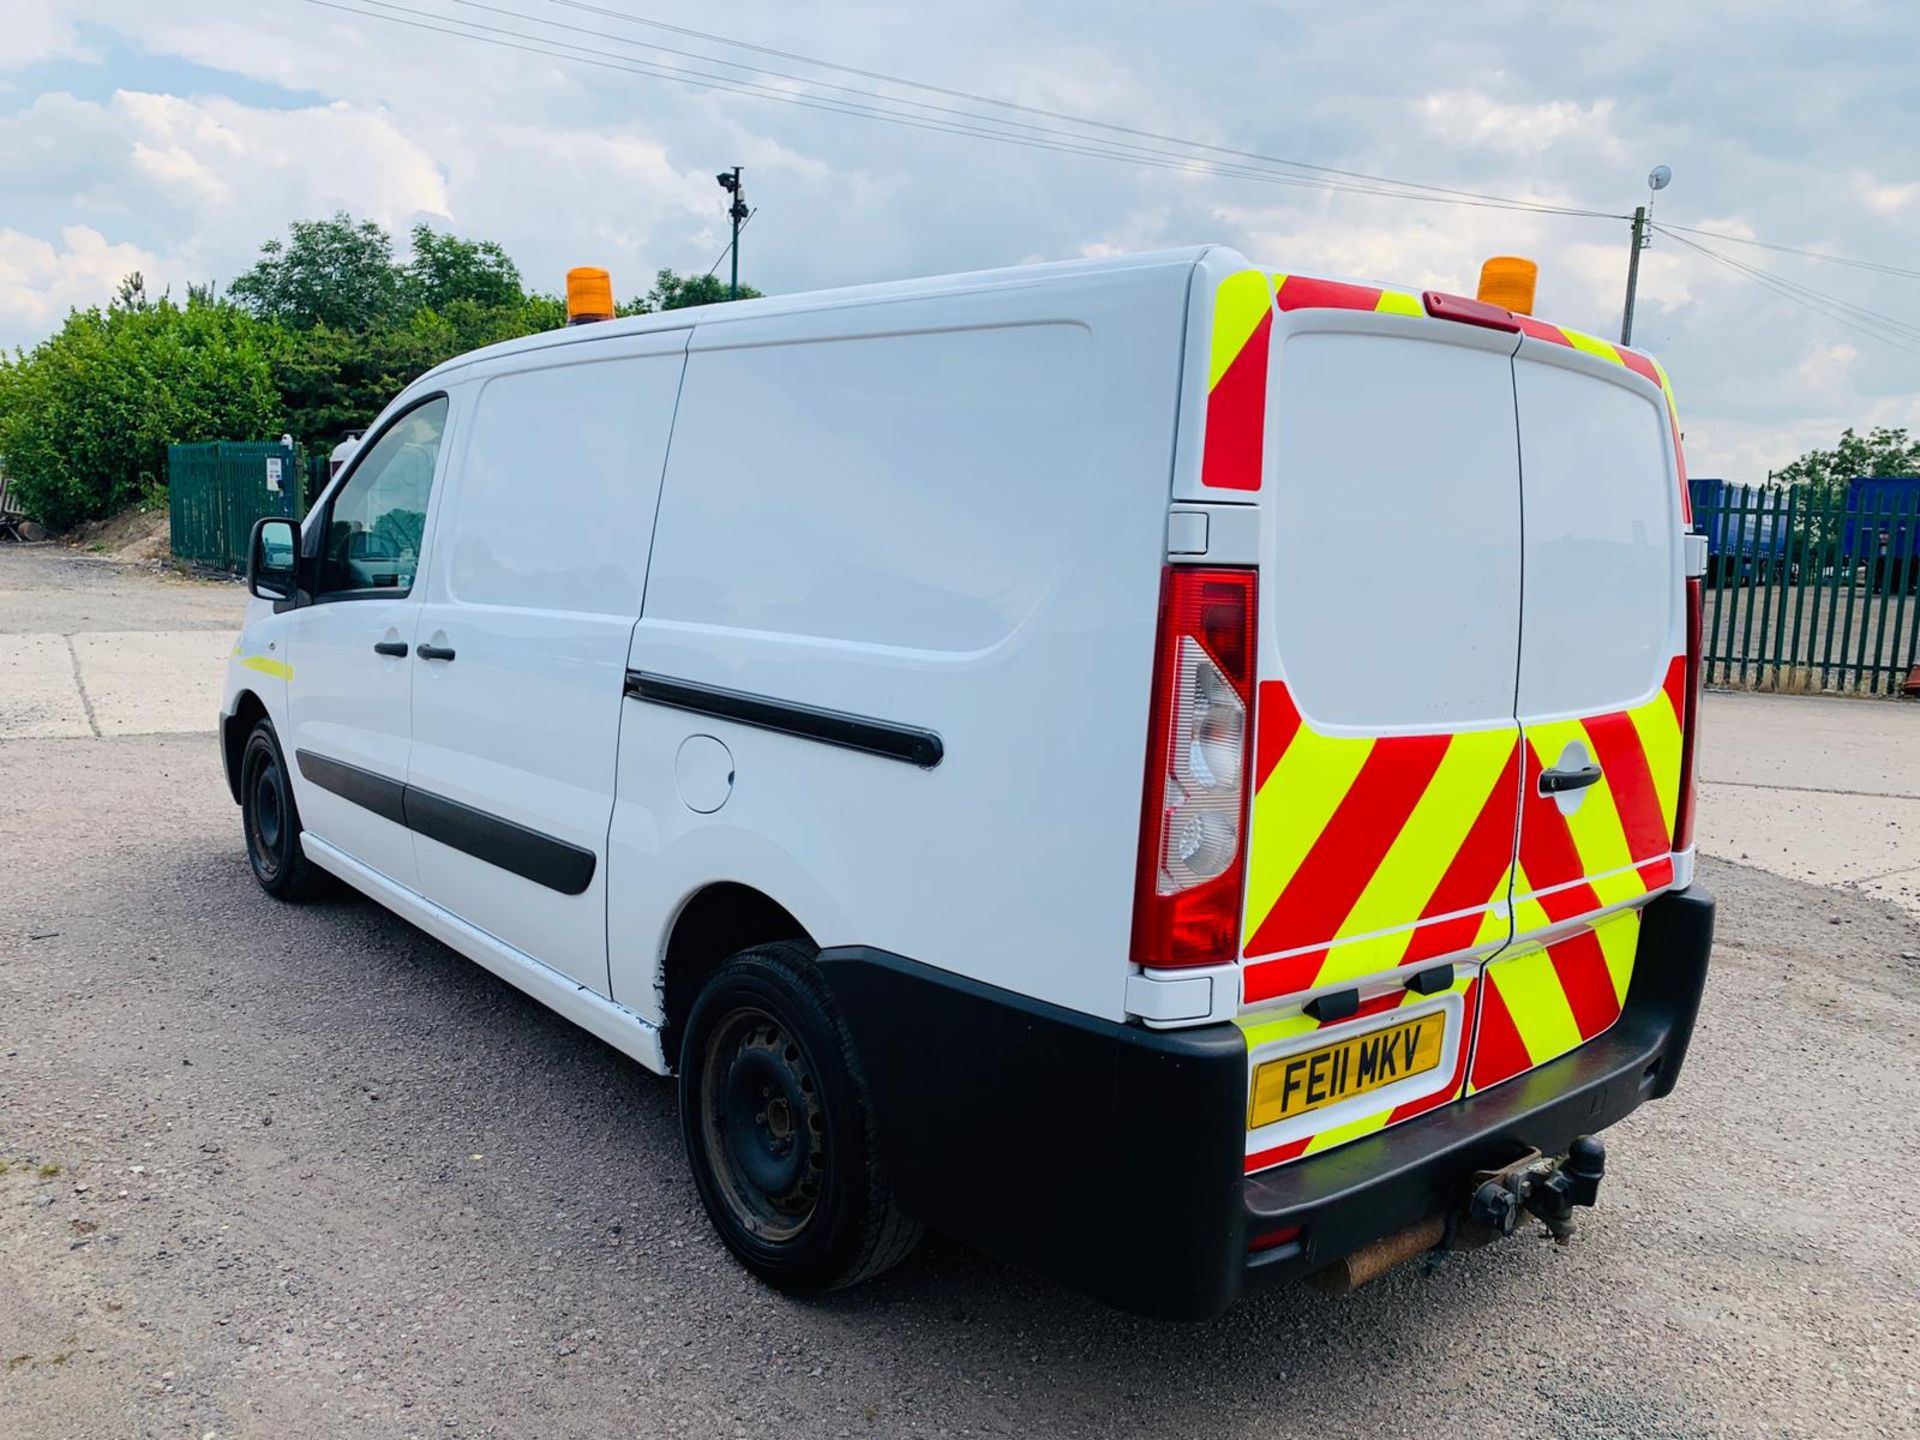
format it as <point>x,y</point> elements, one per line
<point>1111,1156</point>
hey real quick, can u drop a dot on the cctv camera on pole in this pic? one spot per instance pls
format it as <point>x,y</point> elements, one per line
<point>737,212</point>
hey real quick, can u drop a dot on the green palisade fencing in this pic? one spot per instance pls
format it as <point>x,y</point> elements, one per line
<point>1810,588</point>
<point>216,491</point>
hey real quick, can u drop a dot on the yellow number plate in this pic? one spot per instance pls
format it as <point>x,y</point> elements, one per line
<point>1315,1079</point>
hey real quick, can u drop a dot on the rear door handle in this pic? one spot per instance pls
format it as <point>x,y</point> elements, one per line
<point>1560,782</point>
<point>445,652</point>
<point>396,648</point>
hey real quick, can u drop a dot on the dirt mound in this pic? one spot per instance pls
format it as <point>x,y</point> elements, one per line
<point>136,535</point>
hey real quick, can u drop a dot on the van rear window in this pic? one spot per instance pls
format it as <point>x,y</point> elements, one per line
<point>1393,577</point>
<point>1602,613</point>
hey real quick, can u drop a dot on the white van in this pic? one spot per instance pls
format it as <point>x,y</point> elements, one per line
<point>1164,770</point>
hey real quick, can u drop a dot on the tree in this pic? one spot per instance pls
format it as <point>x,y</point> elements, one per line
<point>315,339</point>
<point>130,293</point>
<point>444,269</point>
<point>336,272</point>
<point>1822,523</point>
<point>86,416</point>
<point>1884,451</point>
<point>676,292</point>
<point>332,381</point>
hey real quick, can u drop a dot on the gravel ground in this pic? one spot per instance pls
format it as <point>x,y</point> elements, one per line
<point>49,589</point>
<point>286,1172</point>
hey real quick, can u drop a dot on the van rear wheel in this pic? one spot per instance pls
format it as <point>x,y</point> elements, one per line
<point>778,1128</point>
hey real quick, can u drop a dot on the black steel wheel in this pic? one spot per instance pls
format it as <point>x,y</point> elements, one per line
<point>778,1129</point>
<point>272,821</point>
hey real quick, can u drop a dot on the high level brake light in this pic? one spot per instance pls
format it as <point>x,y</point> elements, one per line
<point>1193,820</point>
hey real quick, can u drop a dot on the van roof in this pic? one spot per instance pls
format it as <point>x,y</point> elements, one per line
<point>882,292</point>
<point>1007,277</point>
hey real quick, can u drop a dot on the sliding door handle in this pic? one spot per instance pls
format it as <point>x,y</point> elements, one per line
<point>396,648</point>
<point>434,652</point>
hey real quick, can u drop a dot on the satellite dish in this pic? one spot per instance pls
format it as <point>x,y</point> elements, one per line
<point>1659,177</point>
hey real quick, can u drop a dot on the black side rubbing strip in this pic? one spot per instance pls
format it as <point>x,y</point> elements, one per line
<point>527,853</point>
<point>830,727</point>
<point>386,798</point>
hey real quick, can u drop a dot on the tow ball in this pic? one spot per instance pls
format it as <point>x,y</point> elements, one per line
<point>1541,1186</point>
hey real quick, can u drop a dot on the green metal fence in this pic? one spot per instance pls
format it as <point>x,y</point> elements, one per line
<point>216,491</point>
<point>1811,588</point>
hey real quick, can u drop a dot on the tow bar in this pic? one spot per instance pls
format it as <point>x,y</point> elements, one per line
<point>1534,1184</point>
<point>1543,1187</point>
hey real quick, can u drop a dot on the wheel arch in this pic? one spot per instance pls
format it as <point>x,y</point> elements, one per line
<point>248,711</point>
<point>717,921</point>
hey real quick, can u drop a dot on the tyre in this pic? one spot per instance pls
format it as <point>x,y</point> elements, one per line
<point>778,1128</point>
<point>272,821</point>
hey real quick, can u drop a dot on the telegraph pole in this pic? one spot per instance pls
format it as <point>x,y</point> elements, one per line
<point>737,213</point>
<point>1633,272</point>
<point>1657,179</point>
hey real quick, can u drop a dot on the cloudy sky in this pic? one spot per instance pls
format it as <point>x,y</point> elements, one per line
<point>173,136</point>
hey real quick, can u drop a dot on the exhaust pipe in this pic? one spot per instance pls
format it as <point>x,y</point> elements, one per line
<point>1370,1262</point>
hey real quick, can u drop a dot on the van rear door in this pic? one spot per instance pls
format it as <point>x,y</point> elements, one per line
<point>1600,698</point>
<point>1387,757</point>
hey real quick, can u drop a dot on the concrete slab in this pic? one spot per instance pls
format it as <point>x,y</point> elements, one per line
<point>1814,788</point>
<point>1817,742</point>
<point>157,682</point>
<point>51,590</point>
<point>39,698</point>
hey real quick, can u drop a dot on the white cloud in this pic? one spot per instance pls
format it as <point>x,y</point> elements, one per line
<point>182,156</point>
<point>1471,118</point>
<point>1890,199</point>
<point>39,32</point>
<point>40,281</point>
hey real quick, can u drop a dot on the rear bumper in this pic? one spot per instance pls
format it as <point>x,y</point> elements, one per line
<point>1111,1157</point>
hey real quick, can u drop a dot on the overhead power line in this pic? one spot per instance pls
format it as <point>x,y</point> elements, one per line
<point>952,122</point>
<point>1061,115</point>
<point>1861,313</point>
<point>1185,156</point>
<point>1887,329</point>
<point>1831,259</point>
<point>973,97</point>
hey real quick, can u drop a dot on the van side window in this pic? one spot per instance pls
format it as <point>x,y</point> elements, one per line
<point>375,523</point>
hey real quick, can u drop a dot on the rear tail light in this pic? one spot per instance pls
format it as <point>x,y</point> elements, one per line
<point>1193,820</point>
<point>1689,720</point>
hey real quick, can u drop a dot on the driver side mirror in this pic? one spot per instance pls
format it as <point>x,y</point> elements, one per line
<point>273,559</point>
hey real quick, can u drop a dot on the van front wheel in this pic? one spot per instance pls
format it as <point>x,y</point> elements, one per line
<point>272,821</point>
<point>778,1128</point>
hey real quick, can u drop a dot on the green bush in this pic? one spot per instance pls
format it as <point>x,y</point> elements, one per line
<point>86,416</point>
<point>327,329</point>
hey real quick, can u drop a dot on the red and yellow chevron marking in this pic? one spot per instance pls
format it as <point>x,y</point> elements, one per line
<point>1264,1032</point>
<point>1539,1002</point>
<point>1617,845</point>
<point>1369,853</point>
<point>1645,366</point>
<point>1234,440</point>
<point>1303,292</point>
<point>1231,450</point>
